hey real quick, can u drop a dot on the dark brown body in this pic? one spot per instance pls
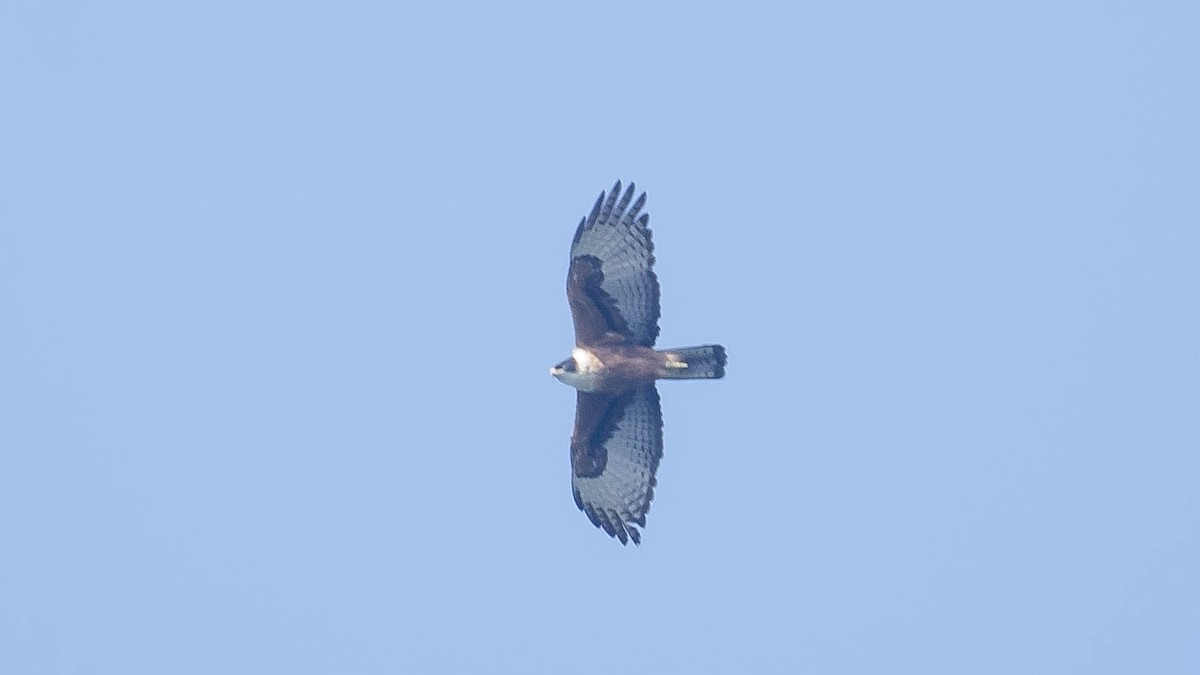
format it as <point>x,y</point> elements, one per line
<point>627,367</point>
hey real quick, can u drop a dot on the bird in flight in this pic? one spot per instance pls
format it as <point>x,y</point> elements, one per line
<point>613,293</point>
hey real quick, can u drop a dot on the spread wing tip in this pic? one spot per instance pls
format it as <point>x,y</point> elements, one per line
<point>606,204</point>
<point>611,522</point>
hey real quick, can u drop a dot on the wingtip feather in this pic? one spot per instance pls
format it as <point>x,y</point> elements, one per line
<point>591,219</point>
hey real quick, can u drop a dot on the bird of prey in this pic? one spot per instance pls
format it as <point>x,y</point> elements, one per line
<point>613,293</point>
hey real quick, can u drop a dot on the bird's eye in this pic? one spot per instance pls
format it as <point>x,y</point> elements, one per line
<point>568,365</point>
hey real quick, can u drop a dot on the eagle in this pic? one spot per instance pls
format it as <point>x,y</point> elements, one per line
<point>613,292</point>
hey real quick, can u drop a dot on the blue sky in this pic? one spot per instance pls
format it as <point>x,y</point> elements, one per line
<point>281,284</point>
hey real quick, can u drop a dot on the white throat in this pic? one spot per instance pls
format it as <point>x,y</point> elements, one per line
<point>586,376</point>
<point>586,362</point>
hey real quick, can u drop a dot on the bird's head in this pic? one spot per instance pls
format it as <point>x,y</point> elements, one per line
<point>579,371</point>
<point>565,369</point>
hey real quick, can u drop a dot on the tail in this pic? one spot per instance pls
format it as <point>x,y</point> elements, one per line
<point>689,363</point>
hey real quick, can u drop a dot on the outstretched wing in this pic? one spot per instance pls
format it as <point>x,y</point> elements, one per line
<point>615,452</point>
<point>611,285</point>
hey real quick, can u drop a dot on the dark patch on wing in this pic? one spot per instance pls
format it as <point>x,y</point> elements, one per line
<point>593,310</point>
<point>615,453</point>
<point>612,267</point>
<point>596,417</point>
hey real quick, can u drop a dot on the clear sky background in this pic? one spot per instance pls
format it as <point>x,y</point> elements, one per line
<point>280,284</point>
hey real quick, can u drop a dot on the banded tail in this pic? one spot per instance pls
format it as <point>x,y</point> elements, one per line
<point>689,363</point>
